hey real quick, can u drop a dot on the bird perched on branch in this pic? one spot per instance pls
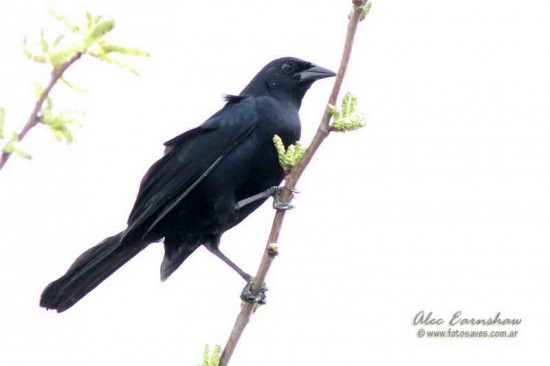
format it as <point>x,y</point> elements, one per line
<point>209,179</point>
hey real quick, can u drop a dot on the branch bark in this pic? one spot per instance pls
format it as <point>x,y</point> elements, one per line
<point>290,183</point>
<point>33,119</point>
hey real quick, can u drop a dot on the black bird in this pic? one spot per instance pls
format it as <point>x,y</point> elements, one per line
<point>209,179</point>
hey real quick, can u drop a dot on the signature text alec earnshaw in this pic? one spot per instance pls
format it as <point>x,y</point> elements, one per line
<point>457,319</point>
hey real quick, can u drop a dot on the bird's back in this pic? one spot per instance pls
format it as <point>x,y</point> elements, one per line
<point>250,168</point>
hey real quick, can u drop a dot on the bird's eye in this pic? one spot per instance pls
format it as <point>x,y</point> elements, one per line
<point>288,68</point>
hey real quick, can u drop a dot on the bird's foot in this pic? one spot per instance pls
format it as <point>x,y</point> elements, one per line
<point>278,204</point>
<point>248,296</point>
<point>259,196</point>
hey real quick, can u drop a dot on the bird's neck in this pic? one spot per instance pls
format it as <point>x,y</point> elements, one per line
<point>293,96</point>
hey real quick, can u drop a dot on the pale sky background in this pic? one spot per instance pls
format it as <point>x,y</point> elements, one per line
<point>440,204</point>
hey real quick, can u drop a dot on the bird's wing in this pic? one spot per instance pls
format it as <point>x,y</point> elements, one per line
<point>188,159</point>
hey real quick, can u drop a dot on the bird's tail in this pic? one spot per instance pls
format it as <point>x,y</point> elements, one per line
<point>89,270</point>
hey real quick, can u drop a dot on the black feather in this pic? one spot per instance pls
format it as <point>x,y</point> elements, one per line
<point>188,197</point>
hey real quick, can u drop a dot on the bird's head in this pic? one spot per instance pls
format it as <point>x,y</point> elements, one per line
<point>286,78</point>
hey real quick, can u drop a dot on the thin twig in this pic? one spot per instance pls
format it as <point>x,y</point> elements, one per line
<point>34,116</point>
<point>290,183</point>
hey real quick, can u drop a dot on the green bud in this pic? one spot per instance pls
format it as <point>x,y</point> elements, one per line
<point>346,118</point>
<point>365,11</point>
<point>58,39</point>
<point>11,147</point>
<point>101,29</point>
<point>272,249</point>
<point>211,358</point>
<point>58,123</point>
<point>43,43</point>
<point>291,156</point>
<point>334,111</point>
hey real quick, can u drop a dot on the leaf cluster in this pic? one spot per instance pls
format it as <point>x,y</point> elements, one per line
<point>211,358</point>
<point>11,145</point>
<point>346,118</point>
<point>58,122</point>
<point>87,37</point>
<point>289,157</point>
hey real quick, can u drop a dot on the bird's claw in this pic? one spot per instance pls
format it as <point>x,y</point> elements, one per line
<point>278,204</point>
<point>248,296</point>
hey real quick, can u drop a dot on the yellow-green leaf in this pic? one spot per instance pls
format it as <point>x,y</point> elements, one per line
<point>11,147</point>
<point>43,43</point>
<point>58,39</point>
<point>100,30</point>
<point>291,156</point>
<point>72,86</point>
<point>365,11</point>
<point>62,18</point>
<point>108,48</point>
<point>211,358</point>
<point>346,118</point>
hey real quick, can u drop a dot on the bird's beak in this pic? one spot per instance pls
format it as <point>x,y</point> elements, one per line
<point>315,73</point>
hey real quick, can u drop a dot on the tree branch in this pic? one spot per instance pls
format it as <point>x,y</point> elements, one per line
<point>34,119</point>
<point>290,183</point>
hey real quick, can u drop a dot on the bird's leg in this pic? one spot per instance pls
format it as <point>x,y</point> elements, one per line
<point>273,191</point>
<point>259,196</point>
<point>214,249</point>
<point>246,294</point>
